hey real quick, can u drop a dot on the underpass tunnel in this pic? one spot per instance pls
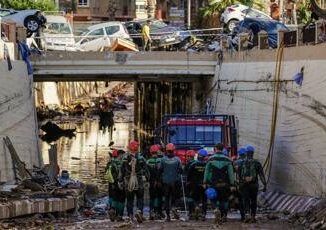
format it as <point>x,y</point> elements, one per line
<point>155,99</point>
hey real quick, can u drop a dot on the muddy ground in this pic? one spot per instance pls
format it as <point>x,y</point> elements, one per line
<point>185,225</point>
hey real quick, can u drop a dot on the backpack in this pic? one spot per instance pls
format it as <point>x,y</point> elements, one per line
<point>248,172</point>
<point>220,176</point>
<point>108,175</point>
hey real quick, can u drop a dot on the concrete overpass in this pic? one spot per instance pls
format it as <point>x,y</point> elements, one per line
<point>123,66</point>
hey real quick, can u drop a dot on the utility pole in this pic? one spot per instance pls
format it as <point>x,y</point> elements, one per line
<point>188,14</point>
<point>56,2</point>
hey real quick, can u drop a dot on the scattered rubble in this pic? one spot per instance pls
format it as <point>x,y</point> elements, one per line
<point>313,218</point>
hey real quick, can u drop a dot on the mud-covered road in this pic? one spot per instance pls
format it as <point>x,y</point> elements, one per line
<point>185,225</point>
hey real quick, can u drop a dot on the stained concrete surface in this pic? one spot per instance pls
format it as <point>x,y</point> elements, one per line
<point>174,224</point>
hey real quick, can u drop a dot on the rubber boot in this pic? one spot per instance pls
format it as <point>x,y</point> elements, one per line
<point>217,215</point>
<point>112,214</point>
<point>139,217</point>
<point>197,213</point>
<point>175,214</point>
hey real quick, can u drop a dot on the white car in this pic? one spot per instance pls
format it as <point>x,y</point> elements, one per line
<point>33,20</point>
<point>98,36</point>
<point>57,34</point>
<point>235,13</point>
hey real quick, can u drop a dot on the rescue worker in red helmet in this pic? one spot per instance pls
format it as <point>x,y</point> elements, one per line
<point>133,175</point>
<point>190,157</point>
<point>155,184</point>
<point>171,171</point>
<point>116,194</point>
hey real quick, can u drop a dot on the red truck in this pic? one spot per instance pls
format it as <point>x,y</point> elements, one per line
<point>193,132</point>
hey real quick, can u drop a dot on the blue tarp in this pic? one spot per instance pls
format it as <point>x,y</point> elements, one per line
<point>25,52</point>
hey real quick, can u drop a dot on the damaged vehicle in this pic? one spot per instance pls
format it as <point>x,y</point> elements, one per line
<point>162,34</point>
<point>33,20</point>
<point>100,36</point>
<point>253,26</point>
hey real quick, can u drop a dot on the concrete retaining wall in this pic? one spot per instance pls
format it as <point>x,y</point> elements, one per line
<point>299,161</point>
<point>17,118</point>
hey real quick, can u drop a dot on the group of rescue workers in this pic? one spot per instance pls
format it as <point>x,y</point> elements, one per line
<point>208,177</point>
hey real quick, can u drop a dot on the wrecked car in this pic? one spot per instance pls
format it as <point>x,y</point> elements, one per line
<point>253,26</point>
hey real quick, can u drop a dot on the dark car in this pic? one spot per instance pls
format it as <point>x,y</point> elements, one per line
<point>254,26</point>
<point>160,32</point>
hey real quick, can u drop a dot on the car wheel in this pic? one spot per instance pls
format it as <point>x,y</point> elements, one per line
<point>231,24</point>
<point>32,23</point>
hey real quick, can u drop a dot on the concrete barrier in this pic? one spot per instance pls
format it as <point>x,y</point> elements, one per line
<point>24,207</point>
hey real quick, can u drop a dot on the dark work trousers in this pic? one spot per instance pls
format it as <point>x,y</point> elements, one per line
<point>239,194</point>
<point>222,201</point>
<point>130,200</point>
<point>170,197</point>
<point>249,195</point>
<point>155,197</point>
<point>197,194</point>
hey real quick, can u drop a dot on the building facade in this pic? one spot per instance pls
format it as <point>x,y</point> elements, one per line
<point>102,10</point>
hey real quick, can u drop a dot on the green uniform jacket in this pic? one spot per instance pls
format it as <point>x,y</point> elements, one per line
<point>115,164</point>
<point>219,160</point>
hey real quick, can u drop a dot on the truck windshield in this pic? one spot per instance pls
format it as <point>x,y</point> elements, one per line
<point>195,135</point>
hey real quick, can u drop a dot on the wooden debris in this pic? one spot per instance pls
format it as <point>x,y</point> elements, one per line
<point>20,170</point>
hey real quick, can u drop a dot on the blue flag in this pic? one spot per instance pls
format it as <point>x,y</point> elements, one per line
<point>298,78</point>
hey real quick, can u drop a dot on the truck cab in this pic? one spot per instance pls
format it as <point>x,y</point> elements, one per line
<point>193,132</point>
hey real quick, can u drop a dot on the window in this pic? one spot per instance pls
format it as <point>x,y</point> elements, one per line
<point>93,35</point>
<point>83,2</point>
<point>195,135</point>
<point>4,13</point>
<point>140,8</point>
<point>110,30</point>
<point>97,32</point>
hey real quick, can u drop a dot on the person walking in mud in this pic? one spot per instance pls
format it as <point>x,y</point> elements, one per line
<point>171,171</point>
<point>195,178</point>
<point>249,171</point>
<point>116,194</point>
<point>133,174</point>
<point>155,184</point>
<point>219,175</point>
<point>237,165</point>
<point>106,116</point>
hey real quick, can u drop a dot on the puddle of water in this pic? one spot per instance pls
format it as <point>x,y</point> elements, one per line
<point>85,156</point>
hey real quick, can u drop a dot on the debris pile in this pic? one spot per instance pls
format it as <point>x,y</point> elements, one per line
<point>313,218</point>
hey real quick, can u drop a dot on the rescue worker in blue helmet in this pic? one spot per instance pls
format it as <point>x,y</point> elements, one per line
<point>195,178</point>
<point>237,164</point>
<point>249,171</point>
<point>219,174</point>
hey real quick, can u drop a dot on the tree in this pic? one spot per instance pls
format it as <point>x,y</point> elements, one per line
<point>43,5</point>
